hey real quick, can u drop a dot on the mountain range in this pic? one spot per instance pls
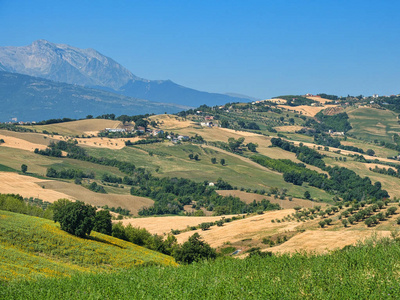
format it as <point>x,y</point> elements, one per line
<point>29,98</point>
<point>89,68</point>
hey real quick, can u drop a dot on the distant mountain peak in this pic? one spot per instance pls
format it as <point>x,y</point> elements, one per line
<point>64,63</point>
<point>90,68</point>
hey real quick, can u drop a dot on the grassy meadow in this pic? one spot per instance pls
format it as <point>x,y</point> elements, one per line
<point>373,124</point>
<point>169,160</point>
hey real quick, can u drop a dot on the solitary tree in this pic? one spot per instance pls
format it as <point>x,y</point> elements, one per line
<point>205,225</point>
<point>214,160</point>
<point>194,250</point>
<point>222,161</point>
<point>370,152</point>
<point>252,147</point>
<point>307,195</point>
<point>76,218</point>
<point>24,168</point>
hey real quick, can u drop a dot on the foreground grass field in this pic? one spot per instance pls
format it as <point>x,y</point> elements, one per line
<point>367,271</point>
<point>32,247</point>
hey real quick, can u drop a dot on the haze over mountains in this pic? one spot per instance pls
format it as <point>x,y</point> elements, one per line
<point>29,98</point>
<point>89,68</point>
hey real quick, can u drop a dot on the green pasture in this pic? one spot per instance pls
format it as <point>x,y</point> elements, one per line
<point>12,159</point>
<point>169,160</point>
<point>373,124</point>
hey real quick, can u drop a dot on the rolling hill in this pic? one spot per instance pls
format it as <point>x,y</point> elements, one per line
<point>32,247</point>
<point>30,98</point>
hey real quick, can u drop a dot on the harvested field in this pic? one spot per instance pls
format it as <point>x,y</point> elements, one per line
<point>323,241</point>
<point>306,110</point>
<point>100,142</point>
<point>372,166</point>
<point>276,100</point>
<point>163,225</point>
<point>285,204</point>
<point>255,227</point>
<point>292,128</point>
<point>319,99</point>
<point>27,186</point>
<point>345,152</point>
<point>79,127</point>
<point>133,203</point>
<point>35,138</point>
<point>18,143</point>
<point>168,122</point>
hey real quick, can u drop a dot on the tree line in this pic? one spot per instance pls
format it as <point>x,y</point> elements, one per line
<point>342,181</point>
<point>170,194</point>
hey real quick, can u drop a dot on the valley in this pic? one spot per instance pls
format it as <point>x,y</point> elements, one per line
<point>247,180</point>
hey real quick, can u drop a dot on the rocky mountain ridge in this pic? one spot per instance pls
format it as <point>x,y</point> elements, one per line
<point>88,67</point>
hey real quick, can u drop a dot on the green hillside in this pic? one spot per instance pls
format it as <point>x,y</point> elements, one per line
<point>367,271</point>
<point>32,247</point>
<point>166,160</point>
<point>373,124</point>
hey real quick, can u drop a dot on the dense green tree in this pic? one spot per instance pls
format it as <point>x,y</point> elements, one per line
<point>205,225</point>
<point>370,152</point>
<point>214,160</point>
<point>76,218</point>
<point>194,250</point>
<point>24,168</point>
<point>102,222</point>
<point>118,231</point>
<point>234,145</point>
<point>224,123</point>
<point>222,161</point>
<point>252,147</point>
<point>307,195</point>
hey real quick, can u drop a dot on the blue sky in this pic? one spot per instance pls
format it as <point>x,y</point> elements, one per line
<point>258,48</point>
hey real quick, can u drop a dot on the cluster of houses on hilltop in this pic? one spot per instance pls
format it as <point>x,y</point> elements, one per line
<point>179,138</point>
<point>155,132</point>
<point>334,133</point>
<point>207,121</point>
<point>140,129</point>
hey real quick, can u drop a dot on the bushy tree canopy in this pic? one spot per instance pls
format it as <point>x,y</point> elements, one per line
<point>194,250</point>
<point>102,222</point>
<point>76,218</point>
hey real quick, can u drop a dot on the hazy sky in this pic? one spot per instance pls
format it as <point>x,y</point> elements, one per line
<point>258,48</point>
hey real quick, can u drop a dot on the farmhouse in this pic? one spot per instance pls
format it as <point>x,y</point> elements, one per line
<point>157,132</point>
<point>183,137</point>
<point>115,130</point>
